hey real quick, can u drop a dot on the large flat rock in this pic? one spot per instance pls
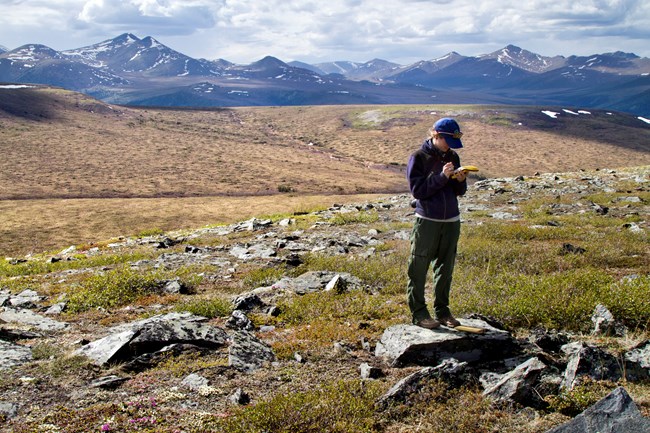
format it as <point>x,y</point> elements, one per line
<point>30,319</point>
<point>402,345</point>
<point>127,341</point>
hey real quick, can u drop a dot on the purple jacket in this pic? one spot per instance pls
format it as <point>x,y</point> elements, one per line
<point>436,195</point>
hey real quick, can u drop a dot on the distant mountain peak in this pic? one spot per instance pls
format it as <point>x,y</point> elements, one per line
<point>32,52</point>
<point>376,60</point>
<point>126,38</point>
<point>450,55</point>
<point>268,62</point>
<point>127,69</point>
<point>514,48</point>
<point>512,55</point>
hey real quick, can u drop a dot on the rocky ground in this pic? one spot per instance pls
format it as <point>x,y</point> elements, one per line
<point>153,360</point>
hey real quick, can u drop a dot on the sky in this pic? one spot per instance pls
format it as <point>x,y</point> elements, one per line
<point>401,31</point>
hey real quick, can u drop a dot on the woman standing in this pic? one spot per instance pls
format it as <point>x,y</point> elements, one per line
<point>435,183</point>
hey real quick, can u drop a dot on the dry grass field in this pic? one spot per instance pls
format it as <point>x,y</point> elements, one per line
<point>75,170</point>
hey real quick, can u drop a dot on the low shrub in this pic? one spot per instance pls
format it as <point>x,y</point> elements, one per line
<point>120,287</point>
<point>437,408</point>
<point>210,308</point>
<point>365,217</point>
<point>260,277</point>
<point>575,401</point>
<point>151,232</point>
<point>356,306</point>
<point>41,266</point>
<point>342,407</point>
<point>284,188</point>
<point>564,300</point>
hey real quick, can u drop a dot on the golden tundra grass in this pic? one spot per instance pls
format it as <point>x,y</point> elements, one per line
<point>34,226</point>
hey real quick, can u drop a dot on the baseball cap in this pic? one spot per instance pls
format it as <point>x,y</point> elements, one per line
<point>449,128</point>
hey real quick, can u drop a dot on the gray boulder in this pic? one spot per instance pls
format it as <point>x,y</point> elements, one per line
<point>616,413</point>
<point>637,363</point>
<point>316,281</point>
<point>8,410</point>
<point>56,309</point>
<point>247,302</point>
<point>17,334</point>
<point>26,299</point>
<point>252,224</point>
<point>369,372</point>
<point>4,297</point>
<point>239,397</point>
<point>149,360</point>
<point>31,319</point>
<point>519,385</point>
<point>125,342</point>
<point>604,323</point>
<point>409,344</point>
<point>257,251</point>
<point>337,284</point>
<point>248,353</point>
<point>173,286</point>
<point>12,355</point>
<point>108,382</point>
<point>549,341</point>
<point>590,361</point>
<point>239,320</point>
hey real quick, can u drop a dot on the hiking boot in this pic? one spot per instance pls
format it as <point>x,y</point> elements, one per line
<point>428,323</point>
<point>449,321</point>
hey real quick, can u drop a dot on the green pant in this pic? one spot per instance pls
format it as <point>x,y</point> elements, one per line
<point>431,243</point>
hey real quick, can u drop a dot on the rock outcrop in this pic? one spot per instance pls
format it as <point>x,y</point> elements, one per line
<point>126,342</point>
<point>409,344</point>
<point>616,413</point>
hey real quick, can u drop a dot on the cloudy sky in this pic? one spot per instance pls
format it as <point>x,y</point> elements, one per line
<point>402,31</point>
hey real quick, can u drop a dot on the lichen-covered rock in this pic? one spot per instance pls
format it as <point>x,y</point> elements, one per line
<point>13,354</point>
<point>125,342</point>
<point>519,385</point>
<point>616,413</point>
<point>409,344</point>
<point>248,353</point>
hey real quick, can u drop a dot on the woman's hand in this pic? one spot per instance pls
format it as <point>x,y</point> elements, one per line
<point>448,169</point>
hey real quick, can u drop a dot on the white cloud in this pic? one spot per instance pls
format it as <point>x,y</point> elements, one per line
<point>164,17</point>
<point>359,30</point>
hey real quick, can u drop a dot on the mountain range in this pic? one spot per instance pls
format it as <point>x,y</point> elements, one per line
<point>133,71</point>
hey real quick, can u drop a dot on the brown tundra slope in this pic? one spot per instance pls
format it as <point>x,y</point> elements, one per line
<point>57,144</point>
